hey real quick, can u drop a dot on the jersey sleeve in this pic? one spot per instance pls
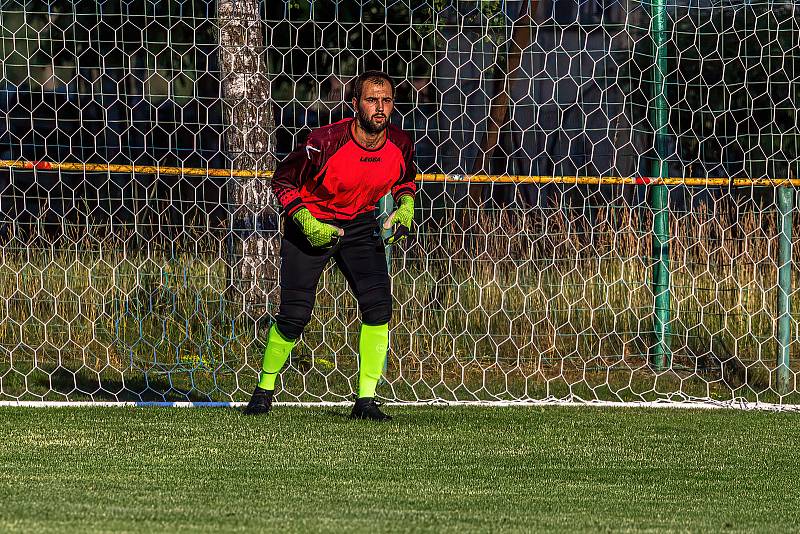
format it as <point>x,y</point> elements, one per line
<point>406,184</point>
<point>298,167</point>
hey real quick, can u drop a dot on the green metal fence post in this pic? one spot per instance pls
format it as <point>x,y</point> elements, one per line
<point>386,205</point>
<point>662,355</point>
<point>785,197</point>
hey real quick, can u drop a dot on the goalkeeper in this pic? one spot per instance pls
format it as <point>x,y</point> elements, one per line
<point>328,188</point>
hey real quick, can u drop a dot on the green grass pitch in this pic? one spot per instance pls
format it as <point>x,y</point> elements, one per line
<point>453,469</point>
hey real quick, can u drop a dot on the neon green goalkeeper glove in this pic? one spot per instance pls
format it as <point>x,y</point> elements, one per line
<point>401,219</point>
<point>318,233</point>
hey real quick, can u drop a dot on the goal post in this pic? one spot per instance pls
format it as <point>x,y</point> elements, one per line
<point>605,210</point>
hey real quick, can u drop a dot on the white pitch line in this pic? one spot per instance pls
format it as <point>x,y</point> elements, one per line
<point>696,405</point>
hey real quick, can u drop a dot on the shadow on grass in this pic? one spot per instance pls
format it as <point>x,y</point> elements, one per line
<point>342,413</point>
<point>62,384</point>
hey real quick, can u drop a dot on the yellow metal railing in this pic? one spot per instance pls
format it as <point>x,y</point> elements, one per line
<point>441,178</point>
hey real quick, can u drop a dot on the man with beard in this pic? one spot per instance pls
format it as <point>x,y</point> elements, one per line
<point>328,188</point>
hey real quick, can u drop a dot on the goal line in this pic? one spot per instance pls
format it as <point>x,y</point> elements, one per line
<point>736,404</point>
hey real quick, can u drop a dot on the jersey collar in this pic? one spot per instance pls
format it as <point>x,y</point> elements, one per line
<point>359,145</point>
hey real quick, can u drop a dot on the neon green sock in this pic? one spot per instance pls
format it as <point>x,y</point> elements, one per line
<point>372,347</point>
<point>275,355</point>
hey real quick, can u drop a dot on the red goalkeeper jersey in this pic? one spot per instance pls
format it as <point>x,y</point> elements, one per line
<point>336,178</point>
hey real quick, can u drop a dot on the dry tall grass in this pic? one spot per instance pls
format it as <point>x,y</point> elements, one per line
<point>545,302</point>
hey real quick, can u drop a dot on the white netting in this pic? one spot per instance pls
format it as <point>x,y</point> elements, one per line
<point>539,238</point>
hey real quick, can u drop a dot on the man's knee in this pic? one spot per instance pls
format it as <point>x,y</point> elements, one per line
<point>376,306</point>
<point>295,312</point>
<point>291,327</point>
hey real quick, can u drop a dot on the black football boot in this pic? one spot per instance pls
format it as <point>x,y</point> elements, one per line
<point>367,408</point>
<point>260,403</point>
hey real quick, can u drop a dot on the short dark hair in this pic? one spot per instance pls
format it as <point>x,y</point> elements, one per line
<point>374,76</point>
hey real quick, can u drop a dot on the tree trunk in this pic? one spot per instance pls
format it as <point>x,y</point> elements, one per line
<point>253,242</point>
<point>498,111</point>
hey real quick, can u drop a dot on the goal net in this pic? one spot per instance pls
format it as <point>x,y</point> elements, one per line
<point>606,209</point>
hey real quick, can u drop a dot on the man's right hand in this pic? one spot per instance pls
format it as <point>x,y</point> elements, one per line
<point>318,233</point>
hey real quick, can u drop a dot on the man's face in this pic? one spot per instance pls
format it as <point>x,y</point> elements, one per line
<point>375,107</point>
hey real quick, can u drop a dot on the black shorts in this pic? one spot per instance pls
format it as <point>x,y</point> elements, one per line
<point>359,255</point>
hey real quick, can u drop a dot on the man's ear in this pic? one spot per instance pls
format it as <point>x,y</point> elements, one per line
<point>354,103</point>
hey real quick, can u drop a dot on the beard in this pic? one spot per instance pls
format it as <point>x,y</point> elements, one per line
<point>370,126</point>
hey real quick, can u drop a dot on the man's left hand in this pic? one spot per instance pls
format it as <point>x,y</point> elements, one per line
<point>401,219</point>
